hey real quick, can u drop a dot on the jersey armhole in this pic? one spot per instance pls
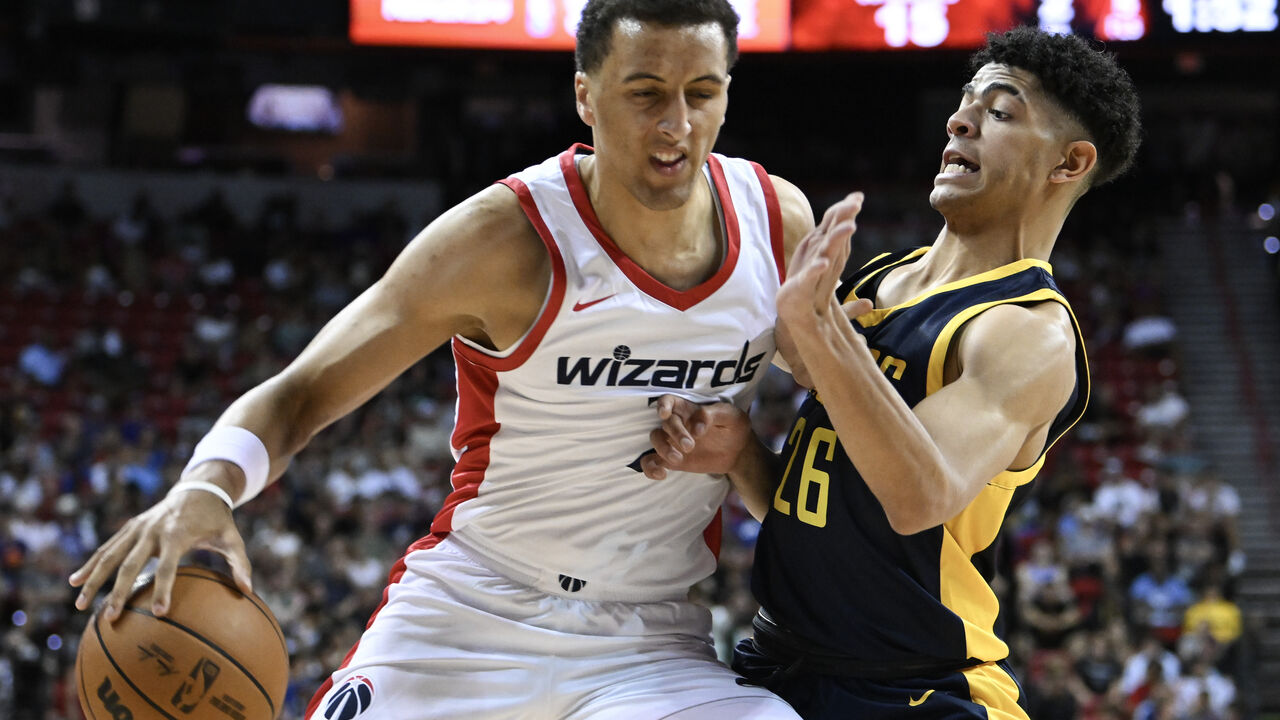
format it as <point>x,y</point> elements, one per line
<point>777,232</point>
<point>521,349</point>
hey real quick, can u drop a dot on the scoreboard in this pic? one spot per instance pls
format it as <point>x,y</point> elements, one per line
<point>525,24</point>
<point>816,25</point>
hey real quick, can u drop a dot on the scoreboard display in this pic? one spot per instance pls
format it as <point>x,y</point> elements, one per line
<point>816,25</point>
<point>526,24</point>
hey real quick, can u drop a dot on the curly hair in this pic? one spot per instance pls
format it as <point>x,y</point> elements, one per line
<point>600,16</point>
<point>1087,83</point>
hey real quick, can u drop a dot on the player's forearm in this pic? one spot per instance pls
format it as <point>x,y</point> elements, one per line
<point>891,449</point>
<point>274,412</point>
<point>755,476</point>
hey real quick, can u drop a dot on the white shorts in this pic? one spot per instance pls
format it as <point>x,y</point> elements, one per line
<point>456,639</point>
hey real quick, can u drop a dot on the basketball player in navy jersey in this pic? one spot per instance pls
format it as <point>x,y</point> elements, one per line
<point>930,412</point>
<point>554,582</point>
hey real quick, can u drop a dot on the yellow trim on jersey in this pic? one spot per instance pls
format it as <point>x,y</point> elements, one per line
<point>871,262</point>
<point>991,687</point>
<point>909,256</point>
<point>961,588</point>
<point>938,356</point>
<point>875,317</point>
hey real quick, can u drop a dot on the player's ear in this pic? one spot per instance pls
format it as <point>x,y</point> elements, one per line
<point>583,99</point>
<point>1079,158</point>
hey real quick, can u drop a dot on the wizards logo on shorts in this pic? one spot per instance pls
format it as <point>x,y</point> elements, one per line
<point>352,698</point>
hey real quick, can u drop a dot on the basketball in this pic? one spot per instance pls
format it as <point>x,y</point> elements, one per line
<point>217,655</point>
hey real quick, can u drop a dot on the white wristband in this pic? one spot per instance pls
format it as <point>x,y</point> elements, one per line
<point>238,447</point>
<point>207,487</point>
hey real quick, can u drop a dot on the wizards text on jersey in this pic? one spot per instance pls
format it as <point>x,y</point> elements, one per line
<point>623,370</point>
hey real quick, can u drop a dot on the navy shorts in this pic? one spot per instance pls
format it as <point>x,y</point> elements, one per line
<point>986,692</point>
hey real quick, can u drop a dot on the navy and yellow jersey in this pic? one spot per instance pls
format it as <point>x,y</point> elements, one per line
<point>828,566</point>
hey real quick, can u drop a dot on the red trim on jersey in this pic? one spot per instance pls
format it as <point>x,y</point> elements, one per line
<point>472,432</point>
<point>678,299</point>
<point>713,532</point>
<point>397,572</point>
<point>777,235</point>
<point>555,297</point>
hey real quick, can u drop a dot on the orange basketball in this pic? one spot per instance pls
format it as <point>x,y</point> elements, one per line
<point>217,655</point>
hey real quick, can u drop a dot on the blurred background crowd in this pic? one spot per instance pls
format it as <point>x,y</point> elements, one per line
<point>127,326</point>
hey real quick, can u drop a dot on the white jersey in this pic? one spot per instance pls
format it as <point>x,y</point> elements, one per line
<point>549,433</point>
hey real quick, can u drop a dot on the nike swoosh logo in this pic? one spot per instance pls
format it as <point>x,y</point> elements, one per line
<point>913,703</point>
<point>585,305</point>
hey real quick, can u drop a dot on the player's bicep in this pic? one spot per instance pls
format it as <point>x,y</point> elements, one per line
<point>1017,372</point>
<point>439,286</point>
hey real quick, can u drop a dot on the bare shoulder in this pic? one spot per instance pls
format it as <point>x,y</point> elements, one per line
<point>797,214</point>
<point>482,260</point>
<point>1022,348</point>
<point>491,222</point>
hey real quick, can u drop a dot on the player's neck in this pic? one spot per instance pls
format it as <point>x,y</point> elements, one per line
<point>958,255</point>
<point>970,248</point>
<point>680,247</point>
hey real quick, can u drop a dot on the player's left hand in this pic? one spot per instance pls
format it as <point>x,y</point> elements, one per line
<point>809,293</point>
<point>696,438</point>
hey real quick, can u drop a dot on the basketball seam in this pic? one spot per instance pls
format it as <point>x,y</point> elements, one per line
<point>119,671</point>
<point>216,648</point>
<point>251,597</point>
<point>84,689</point>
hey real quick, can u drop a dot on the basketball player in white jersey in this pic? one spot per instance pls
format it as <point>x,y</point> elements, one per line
<point>554,582</point>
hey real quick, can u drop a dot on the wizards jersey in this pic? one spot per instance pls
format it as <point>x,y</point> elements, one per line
<point>549,433</point>
<point>829,568</point>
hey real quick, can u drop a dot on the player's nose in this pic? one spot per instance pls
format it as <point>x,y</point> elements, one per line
<point>960,124</point>
<point>674,122</point>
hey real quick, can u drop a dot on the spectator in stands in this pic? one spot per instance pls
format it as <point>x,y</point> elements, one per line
<point>1051,613</point>
<point>1219,619</point>
<point>41,362</point>
<point>1151,333</point>
<point>1160,597</point>
<point>1219,504</point>
<point>1040,570</point>
<point>1097,666</point>
<point>1164,410</point>
<point>1203,693</point>
<point>1121,499</point>
<point>1050,697</point>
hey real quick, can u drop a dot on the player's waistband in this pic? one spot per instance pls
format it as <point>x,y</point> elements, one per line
<point>796,654</point>
<point>557,583</point>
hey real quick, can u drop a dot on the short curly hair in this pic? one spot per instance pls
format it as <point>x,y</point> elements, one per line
<point>599,17</point>
<point>1087,83</point>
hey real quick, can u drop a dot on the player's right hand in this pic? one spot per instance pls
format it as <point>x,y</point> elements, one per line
<point>696,438</point>
<point>178,523</point>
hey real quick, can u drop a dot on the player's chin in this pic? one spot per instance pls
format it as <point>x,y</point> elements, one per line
<point>943,196</point>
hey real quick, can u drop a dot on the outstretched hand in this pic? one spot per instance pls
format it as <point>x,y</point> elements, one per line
<point>809,293</point>
<point>168,530</point>
<point>696,438</point>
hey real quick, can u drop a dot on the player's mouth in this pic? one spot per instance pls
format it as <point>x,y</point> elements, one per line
<point>669,162</point>
<point>955,164</point>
